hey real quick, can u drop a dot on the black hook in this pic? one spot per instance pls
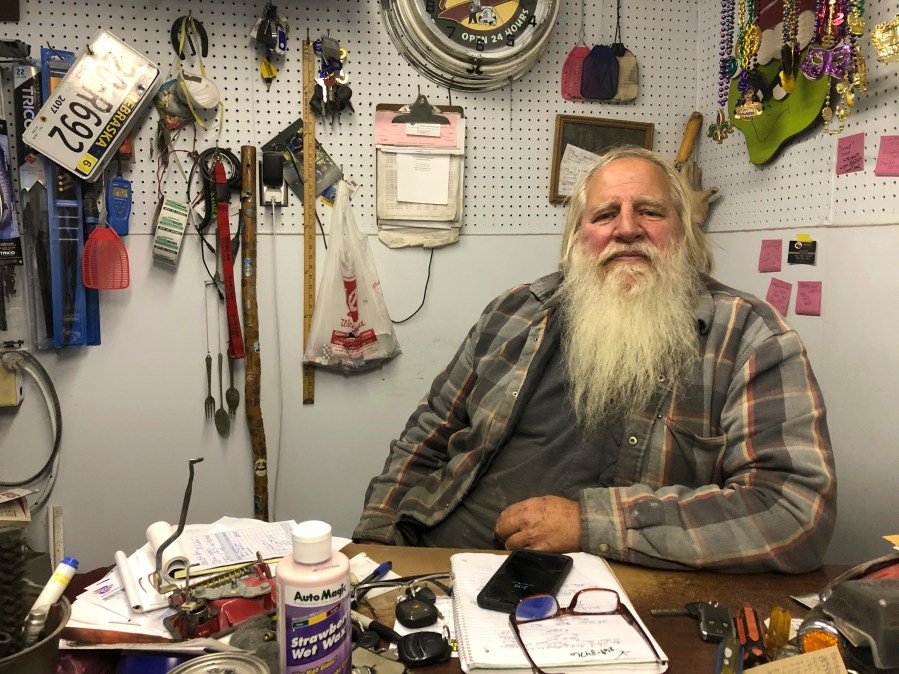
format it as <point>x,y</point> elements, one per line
<point>193,25</point>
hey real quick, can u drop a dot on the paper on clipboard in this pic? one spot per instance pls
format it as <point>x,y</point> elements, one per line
<point>425,178</point>
<point>391,208</point>
<point>418,135</point>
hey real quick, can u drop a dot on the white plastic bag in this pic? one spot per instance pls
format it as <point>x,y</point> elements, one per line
<point>351,329</point>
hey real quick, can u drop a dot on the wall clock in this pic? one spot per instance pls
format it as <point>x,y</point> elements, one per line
<point>472,45</point>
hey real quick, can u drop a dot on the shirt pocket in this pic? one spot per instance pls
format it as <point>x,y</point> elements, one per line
<point>692,459</point>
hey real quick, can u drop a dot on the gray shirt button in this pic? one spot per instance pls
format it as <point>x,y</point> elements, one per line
<point>632,440</point>
<point>604,547</point>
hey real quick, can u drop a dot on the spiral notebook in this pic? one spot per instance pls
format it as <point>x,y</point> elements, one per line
<point>582,644</point>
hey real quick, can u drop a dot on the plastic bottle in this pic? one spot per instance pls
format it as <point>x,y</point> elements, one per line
<point>54,588</point>
<point>314,604</point>
<point>37,616</point>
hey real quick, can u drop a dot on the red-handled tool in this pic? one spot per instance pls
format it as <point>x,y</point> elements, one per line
<point>222,195</point>
<point>751,632</point>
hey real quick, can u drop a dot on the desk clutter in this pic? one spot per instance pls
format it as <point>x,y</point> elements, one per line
<point>314,609</point>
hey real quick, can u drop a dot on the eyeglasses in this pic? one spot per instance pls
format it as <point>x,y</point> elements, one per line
<point>591,601</point>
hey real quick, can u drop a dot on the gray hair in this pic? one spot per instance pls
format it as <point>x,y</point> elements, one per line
<point>698,249</point>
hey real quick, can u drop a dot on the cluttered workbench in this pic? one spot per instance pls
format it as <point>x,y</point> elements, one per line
<point>648,589</point>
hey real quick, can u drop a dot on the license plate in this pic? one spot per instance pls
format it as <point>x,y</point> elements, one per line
<point>92,109</point>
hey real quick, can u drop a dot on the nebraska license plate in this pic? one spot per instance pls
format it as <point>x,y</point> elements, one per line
<point>91,111</point>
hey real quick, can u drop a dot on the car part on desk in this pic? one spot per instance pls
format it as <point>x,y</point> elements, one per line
<point>715,622</point>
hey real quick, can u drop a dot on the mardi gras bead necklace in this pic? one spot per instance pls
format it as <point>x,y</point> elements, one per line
<point>789,51</point>
<point>726,68</point>
<point>748,44</point>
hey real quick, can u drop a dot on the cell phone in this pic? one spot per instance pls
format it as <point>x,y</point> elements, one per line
<point>523,573</point>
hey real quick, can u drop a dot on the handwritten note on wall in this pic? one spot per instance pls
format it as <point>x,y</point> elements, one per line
<point>808,298</point>
<point>888,157</point>
<point>770,255</point>
<point>779,295</point>
<point>851,153</point>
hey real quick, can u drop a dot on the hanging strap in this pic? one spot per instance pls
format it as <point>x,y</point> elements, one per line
<point>222,195</point>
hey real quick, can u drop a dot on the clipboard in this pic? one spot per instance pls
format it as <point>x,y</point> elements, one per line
<point>431,113</point>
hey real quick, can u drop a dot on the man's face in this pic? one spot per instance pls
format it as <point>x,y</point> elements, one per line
<point>629,207</point>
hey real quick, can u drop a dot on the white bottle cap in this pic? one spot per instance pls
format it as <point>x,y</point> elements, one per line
<point>311,542</point>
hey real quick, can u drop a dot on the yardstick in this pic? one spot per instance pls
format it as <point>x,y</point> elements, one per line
<point>308,213</point>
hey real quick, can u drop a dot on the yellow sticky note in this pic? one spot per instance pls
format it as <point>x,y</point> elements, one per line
<point>894,539</point>
<point>805,238</point>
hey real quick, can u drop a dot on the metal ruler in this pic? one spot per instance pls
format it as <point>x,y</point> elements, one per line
<point>308,213</point>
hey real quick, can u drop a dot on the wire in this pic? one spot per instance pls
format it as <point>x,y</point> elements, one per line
<point>280,372</point>
<point>293,161</point>
<point>25,362</point>
<point>424,295</point>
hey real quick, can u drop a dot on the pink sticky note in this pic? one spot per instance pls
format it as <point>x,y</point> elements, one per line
<point>808,298</point>
<point>771,255</point>
<point>851,153</point>
<point>779,295</point>
<point>888,157</point>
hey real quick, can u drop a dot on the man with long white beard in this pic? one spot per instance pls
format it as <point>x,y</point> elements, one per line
<point>630,406</point>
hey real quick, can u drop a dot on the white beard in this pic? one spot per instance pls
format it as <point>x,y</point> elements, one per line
<point>624,326</point>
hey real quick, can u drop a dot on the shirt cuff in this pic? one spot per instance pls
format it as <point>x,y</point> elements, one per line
<point>602,524</point>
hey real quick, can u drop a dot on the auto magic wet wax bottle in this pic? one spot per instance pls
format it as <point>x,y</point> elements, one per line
<point>314,604</point>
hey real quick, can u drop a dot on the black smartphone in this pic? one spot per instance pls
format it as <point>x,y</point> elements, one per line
<point>523,573</point>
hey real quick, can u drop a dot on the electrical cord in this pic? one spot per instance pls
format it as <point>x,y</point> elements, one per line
<point>23,361</point>
<point>424,294</point>
<point>296,167</point>
<point>201,164</point>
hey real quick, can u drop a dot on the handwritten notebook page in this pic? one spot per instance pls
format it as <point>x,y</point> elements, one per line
<point>585,643</point>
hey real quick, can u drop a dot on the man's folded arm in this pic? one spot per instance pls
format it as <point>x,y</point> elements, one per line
<point>773,506</point>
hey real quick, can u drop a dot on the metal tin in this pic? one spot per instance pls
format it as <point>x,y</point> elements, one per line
<point>223,663</point>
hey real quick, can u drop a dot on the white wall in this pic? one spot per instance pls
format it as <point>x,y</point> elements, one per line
<point>852,349</point>
<point>133,407</point>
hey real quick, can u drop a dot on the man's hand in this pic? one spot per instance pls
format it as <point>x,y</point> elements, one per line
<point>548,523</point>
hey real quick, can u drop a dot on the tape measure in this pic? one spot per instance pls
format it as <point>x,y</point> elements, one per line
<point>308,213</point>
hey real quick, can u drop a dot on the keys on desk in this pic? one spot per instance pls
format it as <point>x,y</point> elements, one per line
<point>715,622</point>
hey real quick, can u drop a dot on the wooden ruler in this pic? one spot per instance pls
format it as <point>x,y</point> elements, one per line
<point>308,213</point>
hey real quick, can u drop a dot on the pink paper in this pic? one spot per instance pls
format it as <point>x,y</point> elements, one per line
<point>388,133</point>
<point>851,154</point>
<point>779,295</point>
<point>808,298</point>
<point>888,157</point>
<point>770,255</point>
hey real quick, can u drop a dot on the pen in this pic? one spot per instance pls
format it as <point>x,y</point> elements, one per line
<point>379,571</point>
<point>382,630</point>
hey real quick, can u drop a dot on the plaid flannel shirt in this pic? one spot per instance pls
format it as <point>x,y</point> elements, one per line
<point>734,474</point>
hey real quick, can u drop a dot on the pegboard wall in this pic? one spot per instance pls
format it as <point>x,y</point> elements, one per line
<point>799,188</point>
<point>510,131</point>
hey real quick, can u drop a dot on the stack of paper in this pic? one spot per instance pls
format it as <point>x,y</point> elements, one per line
<point>420,170</point>
<point>125,601</point>
<point>584,643</point>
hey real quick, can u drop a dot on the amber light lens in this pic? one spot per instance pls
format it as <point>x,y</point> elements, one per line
<point>815,640</point>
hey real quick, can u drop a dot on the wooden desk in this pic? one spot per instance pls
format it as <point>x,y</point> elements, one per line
<point>648,589</point>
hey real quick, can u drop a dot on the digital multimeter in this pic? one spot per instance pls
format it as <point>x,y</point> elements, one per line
<point>118,204</point>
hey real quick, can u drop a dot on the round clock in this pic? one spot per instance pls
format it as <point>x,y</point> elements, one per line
<point>472,45</point>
